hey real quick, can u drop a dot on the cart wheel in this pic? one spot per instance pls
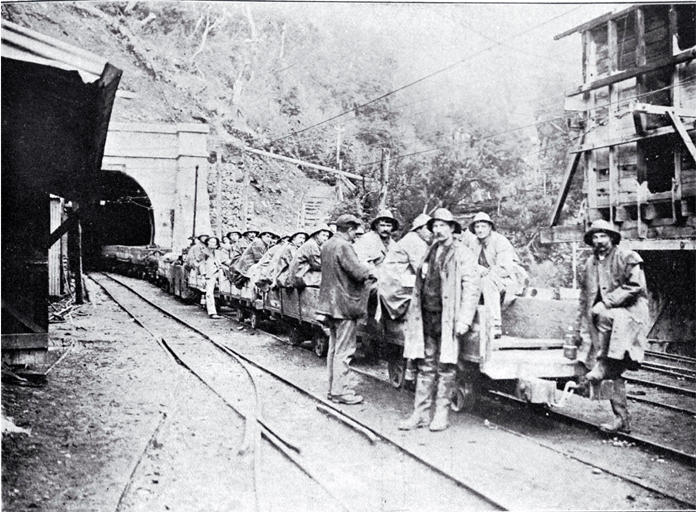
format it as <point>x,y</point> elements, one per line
<point>253,319</point>
<point>465,396</point>
<point>320,343</point>
<point>397,372</point>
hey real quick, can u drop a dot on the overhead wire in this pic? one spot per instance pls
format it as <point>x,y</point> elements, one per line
<point>419,80</point>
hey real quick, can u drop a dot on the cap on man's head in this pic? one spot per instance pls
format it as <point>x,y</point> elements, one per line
<point>444,215</point>
<point>385,215</point>
<point>420,221</point>
<point>481,217</point>
<point>203,238</point>
<point>602,226</point>
<point>347,220</point>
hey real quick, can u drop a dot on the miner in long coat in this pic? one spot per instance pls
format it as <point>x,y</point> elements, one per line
<point>343,277</point>
<point>281,272</point>
<point>238,249</point>
<point>305,268</point>
<point>443,306</point>
<point>398,275</point>
<point>613,317</point>
<point>372,247</point>
<point>251,256</point>
<point>499,267</point>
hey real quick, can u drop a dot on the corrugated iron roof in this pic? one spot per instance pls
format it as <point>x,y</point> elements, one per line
<point>23,44</point>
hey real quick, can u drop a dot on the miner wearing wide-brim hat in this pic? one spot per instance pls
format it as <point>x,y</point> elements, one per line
<point>248,236</point>
<point>252,255</point>
<point>613,318</point>
<point>372,247</point>
<point>305,267</point>
<point>398,275</point>
<point>442,309</point>
<point>502,275</point>
<point>280,275</point>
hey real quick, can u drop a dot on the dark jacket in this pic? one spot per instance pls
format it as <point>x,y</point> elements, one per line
<point>342,280</point>
<point>237,250</point>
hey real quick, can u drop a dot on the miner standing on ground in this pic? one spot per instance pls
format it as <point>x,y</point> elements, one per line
<point>340,301</point>
<point>442,309</point>
<point>613,317</point>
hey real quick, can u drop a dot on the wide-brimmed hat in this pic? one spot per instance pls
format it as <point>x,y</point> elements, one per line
<point>445,215</point>
<point>251,230</point>
<point>269,231</point>
<point>602,226</point>
<point>420,221</point>
<point>347,220</point>
<point>234,231</point>
<point>200,237</point>
<point>293,233</point>
<point>320,227</point>
<point>481,217</point>
<point>385,215</point>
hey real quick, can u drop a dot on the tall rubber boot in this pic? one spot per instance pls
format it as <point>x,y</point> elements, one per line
<point>622,418</point>
<point>599,372</point>
<point>421,406</point>
<point>442,403</point>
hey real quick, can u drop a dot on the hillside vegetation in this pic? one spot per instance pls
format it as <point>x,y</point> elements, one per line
<point>258,75</point>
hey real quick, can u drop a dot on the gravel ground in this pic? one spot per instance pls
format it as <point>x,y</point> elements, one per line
<point>118,426</point>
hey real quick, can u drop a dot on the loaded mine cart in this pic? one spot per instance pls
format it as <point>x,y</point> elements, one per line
<point>530,360</point>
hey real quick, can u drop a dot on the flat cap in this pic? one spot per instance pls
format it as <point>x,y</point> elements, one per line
<point>347,220</point>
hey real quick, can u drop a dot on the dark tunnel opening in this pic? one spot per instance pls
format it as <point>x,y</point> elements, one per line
<point>122,215</point>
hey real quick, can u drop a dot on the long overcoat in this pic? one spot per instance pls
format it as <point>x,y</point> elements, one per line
<point>460,295</point>
<point>504,262</point>
<point>251,256</point>
<point>342,280</point>
<point>305,268</point>
<point>398,273</point>
<point>282,266</point>
<point>620,282</point>
<point>237,250</point>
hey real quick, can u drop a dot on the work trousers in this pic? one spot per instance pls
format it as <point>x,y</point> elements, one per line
<point>210,295</point>
<point>430,365</point>
<point>342,345</point>
<point>492,289</point>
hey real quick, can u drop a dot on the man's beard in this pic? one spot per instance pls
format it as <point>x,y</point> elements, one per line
<point>602,249</point>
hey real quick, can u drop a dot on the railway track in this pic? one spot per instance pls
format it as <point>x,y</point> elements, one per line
<point>462,490</point>
<point>389,439</point>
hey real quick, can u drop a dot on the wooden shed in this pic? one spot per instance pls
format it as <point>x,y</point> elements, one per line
<point>637,152</point>
<point>56,105</point>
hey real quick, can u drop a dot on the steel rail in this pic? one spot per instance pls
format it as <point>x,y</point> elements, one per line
<point>660,404</point>
<point>671,357</point>
<point>669,370</point>
<point>460,483</point>
<point>659,385</point>
<point>276,441</point>
<point>586,424</point>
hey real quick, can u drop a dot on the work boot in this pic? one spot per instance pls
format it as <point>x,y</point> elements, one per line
<point>442,403</point>
<point>421,406</point>
<point>622,418</point>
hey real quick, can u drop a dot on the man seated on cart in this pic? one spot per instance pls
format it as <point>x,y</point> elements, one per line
<point>372,247</point>
<point>280,275</point>
<point>498,265</point>
<point>305,268</point>
<point>252,255</point>
<point>613,317</point>
<point>238,249</point>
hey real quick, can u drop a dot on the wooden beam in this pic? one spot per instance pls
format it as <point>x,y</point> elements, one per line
<point>66,226</point>
<point>589,25</point>
<point>24,341</point>
<point>640,38</point>
<point>307,164</point>
<point>631,73</point>
<point>681,130</point>
<point>658,132</point>
<point>565,187</point>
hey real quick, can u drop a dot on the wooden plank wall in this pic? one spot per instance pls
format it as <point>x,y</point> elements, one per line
<point>55,255</point>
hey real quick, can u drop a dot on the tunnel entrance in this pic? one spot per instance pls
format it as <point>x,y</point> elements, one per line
<point>122,215</point>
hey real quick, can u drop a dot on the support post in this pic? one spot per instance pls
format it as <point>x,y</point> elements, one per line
<point>77,263</point>
<point>195,202</point>
<point>384,179</point>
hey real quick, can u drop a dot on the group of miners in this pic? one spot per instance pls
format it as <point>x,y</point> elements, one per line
<point>433,280</point>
